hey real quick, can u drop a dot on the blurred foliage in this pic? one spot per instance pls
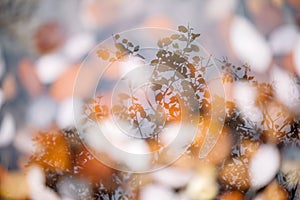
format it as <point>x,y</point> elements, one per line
<point>14,11</point>
<point>61,153</point>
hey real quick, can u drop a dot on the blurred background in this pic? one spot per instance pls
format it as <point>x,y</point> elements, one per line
<point>43,42</point>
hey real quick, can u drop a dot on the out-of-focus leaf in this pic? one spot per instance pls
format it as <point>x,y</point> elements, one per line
<point>121,47</point>
<point>175,45</point>
<point>166,41</point>
<point>136,48</point>
<point>159,44</point>
<point>154,62</point>
<point>130,44</point>
<point>195,48</point>
<point>117,36</point>
<point>196,59</point>
<point>183,38</point>
<point>182,29</point>
<point>104,54</point>
<point>158,97</point>
<point>124,96</point>
<point>174,36</point>
<point>156,87</point>
<point>194,36</point>
<point>187,49</point>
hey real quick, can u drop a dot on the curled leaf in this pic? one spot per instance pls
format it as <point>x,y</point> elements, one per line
<point>195,35</point>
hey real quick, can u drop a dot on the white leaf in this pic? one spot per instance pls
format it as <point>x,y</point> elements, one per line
<point>7,130</point>
<point>296,56</point>
<point>50,67</point>
<point>264,166</point>
<point>282,39</point>
<point>249,45</point>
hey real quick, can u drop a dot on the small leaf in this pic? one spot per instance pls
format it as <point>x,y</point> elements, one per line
<point>124,96</point>
<point>179,60</point>
<point>194,36</point>
<point>175,45</point>
<point>130,44</point>
<point>148,118</point>
<point>206,94</point>
<point>135,98</point>
<point>116,108</point>
<point>185,85</point>
<point>158,97</point>
<point>132,115</point>
<point>195,48</point>
<point>97,108</point>
<point>112,60</point>
<point>166,106</point>
<point>141,110</point>
<point>159,44</point>
<point>136,48</point>
<point>173,99</point>
<point>191,67</point>
<point>164,81</point>
<point>182,29</point>
<point>173,110</point>
<point>187,49</point>
<point>174,36</point>
<point>154,62</point>
<point>131,108</point>
<point>163,68</point>
<point>104,54</point>
<point>117,36</point>
<point>121,47</point>
<point>166,41</point>
<point>169,93</point>
<point>156,87</point>
<point>196,59</point>
<point>143,114</point>
<point>118,54</point>
<point>183,38</point>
